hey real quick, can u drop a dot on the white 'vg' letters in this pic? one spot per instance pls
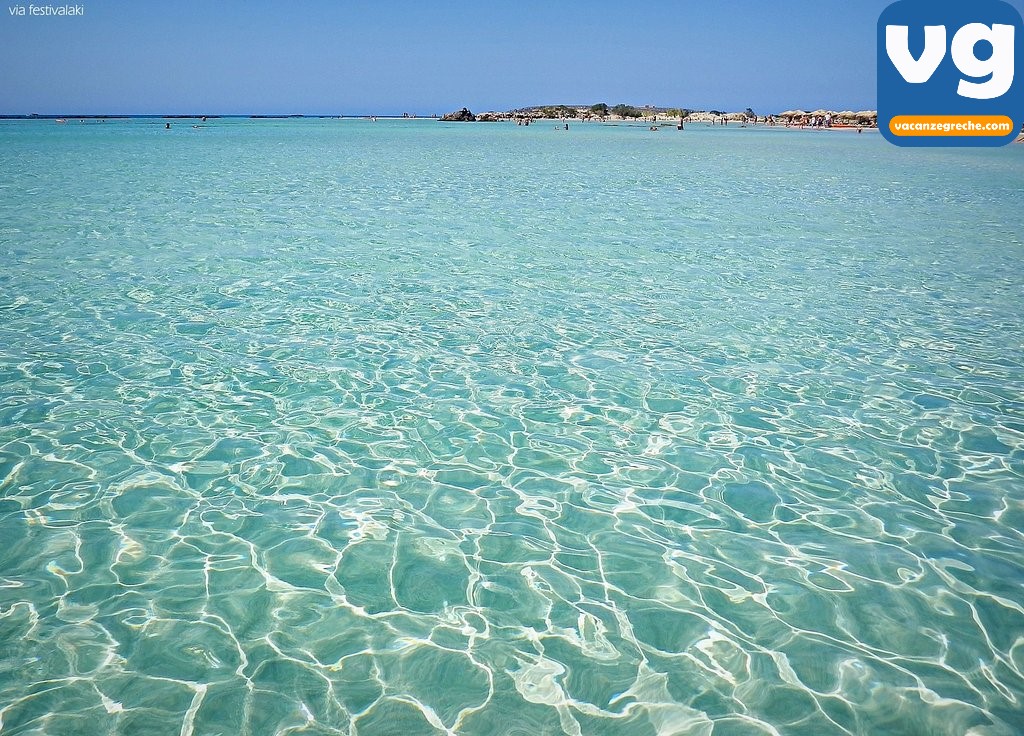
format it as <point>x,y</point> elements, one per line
<point>917,71</point>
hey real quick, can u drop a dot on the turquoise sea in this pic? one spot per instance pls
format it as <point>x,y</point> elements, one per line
<point>342,427</point>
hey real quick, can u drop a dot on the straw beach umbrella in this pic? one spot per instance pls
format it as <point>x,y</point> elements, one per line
<point>867,117</point>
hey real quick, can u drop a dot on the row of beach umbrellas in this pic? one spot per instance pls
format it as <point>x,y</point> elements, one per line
<point>848,114</point>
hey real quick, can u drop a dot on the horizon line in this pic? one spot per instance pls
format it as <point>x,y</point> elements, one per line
<point>403,115</point>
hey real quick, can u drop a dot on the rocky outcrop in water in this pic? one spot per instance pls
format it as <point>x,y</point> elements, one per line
<point>462,116</point>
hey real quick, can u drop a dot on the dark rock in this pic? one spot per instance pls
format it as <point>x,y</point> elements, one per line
<point>462,116</point>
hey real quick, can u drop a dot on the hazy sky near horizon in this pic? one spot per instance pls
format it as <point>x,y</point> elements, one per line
<point>354,57</point>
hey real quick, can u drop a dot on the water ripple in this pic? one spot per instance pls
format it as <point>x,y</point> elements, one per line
<point>323,443</point>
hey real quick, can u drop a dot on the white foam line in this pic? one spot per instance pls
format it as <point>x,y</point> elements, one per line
<point>190,714</point>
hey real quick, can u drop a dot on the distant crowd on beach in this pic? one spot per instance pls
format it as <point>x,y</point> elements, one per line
<point>792,119</point>
<point>812,121</point>
<point>818,119</point>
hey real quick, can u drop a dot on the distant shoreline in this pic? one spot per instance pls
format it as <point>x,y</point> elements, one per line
<point>656,117</point>
<point>539,111</point>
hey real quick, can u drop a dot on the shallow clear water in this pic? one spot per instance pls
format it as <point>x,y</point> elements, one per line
<point>404,428</point>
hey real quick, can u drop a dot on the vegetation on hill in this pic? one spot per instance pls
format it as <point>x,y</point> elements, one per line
<point>558,111</point>
<point>626,111</point>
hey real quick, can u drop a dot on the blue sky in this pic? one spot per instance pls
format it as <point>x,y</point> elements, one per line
<point>353,57</point>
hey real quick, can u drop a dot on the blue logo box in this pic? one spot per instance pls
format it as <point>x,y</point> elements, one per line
<point>950,73</point>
